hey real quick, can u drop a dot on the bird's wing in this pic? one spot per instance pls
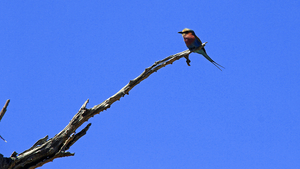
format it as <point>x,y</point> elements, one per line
<point>200,43</point>
<point>198,39</point>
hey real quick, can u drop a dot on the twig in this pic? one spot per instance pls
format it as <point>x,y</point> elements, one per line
<point>3,139</point>
<point>2,112</point>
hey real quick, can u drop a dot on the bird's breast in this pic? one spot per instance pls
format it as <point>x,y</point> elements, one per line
<point>189,39</point>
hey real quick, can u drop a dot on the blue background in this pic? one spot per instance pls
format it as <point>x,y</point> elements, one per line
<point>57,54</point>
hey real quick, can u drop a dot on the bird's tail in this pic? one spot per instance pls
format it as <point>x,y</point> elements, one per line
<point>202,52</point>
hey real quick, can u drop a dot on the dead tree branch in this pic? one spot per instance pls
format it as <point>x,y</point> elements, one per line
<point>2,112</point>
<point>44,150</point>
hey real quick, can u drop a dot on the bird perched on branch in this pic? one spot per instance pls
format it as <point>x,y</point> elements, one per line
<point>193,42</point>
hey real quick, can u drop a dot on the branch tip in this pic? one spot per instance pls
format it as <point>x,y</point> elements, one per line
<point>85,104</point>
<point>2,112</point>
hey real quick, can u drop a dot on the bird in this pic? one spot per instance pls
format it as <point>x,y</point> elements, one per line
<point>193,42</point>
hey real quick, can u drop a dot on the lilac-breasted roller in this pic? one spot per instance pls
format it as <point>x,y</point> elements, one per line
<point>193,42</point>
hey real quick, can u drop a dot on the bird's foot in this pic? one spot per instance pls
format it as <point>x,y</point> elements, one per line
<point>188,61</point>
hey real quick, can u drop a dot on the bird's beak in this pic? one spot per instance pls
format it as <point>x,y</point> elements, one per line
<point>180,32</point>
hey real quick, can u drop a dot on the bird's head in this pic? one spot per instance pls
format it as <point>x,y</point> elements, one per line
<point>186,31</point>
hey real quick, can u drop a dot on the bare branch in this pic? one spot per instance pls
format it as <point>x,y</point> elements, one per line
<point>3,139</point>
<point>46,150</point>
<point>2,112</point>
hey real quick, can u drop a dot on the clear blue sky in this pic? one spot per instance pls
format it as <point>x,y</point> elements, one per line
<point>57,54</point>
